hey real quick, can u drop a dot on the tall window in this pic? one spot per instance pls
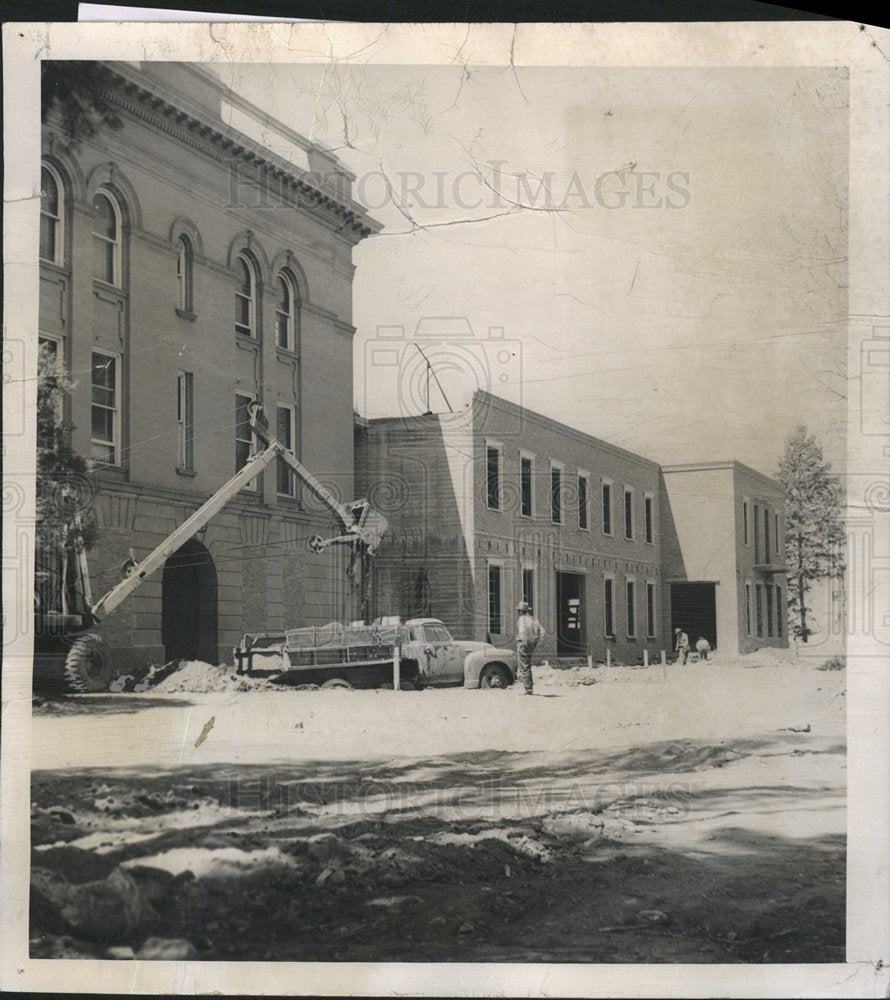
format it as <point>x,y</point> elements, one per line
<point>50,351</point>
<point>495,617</point>
<point>607,508</point>
<point>185,275</point>
<point>243,435</point>
<point>493,476</point>
<point>185,419</point>
<point>51,215</point>
<point>745,520</point>
<point>780,612</point>
<point>747,609</point>
<point>525,486</point>
<point>287,316</point>
<point>583,521</point>
<point>766,545</point>
<point>631,590</point>
<point>776,532</point>
<point>106,238</point>
<point>650,609</point>
<point>628,512</point>
<point>285,432</point>
<point>647,511</point>
<point>769,610</point>
<point>756,533</point>
<point>556,494</point>
<point>105,408</point>
<point>245,297</point>
<point>609,606</point>
<point>758,601</point>
<point>528,586</point>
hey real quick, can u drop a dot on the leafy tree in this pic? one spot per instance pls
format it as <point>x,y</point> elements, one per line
<point>78,88</point>
<point>66,519</point>
<point>814,530</point>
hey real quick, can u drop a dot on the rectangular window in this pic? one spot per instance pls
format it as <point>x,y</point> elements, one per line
<point>647,505</point>
<point>631,590</point>
<point>776,532</point>
<point>105,408</point>
<point>769,610</point>
<point>747,609</point>
<point>780,612</point>
<point>284,431</point>
<point>556,494</point>
<point>650,609</point>
<point>766,547</point>
<point>493,476</point>
<point>528,586</point>
<point>495,617</point>
<point>609,606</point>
<point>628,512</point>
<point>185,419</point>
<point>525,486</point>
<point>758,600</point>
<point>745,520</point>
<point>756,534</point>
<point>607,508</point>
<point>583,521</point>
<point>243,435</point>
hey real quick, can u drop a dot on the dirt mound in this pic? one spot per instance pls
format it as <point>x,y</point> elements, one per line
<point>197,677</point>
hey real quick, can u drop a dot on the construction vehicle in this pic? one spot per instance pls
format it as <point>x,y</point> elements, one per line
<point>65,613</point>
<point>418,653</point>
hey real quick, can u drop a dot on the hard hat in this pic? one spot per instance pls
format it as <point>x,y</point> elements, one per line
<point>676,630</point>
<point>523,606</point>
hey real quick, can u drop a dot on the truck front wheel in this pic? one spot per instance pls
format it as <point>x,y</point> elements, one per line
<point>495,675</point>
<point>88,667</point>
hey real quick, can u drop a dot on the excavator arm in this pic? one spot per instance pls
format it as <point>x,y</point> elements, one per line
<point>363,527</point>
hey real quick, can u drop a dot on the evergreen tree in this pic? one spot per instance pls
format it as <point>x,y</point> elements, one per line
<point>814,530</point>
<point>66,519</point>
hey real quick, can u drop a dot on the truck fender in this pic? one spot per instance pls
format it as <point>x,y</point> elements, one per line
<point>475,661</point>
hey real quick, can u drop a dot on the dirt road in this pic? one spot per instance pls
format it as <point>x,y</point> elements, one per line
<point>695,814</point>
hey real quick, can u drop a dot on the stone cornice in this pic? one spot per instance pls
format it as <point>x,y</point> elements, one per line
<point>281,180</point>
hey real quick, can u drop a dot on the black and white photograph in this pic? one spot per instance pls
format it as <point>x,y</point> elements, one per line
<point>446,498</point>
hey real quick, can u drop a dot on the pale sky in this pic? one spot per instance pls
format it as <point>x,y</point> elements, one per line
<point>689,308</point>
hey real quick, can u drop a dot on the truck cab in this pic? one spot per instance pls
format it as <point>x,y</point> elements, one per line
<point>440,659</point>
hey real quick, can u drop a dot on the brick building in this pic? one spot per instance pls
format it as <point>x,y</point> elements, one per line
<point>724,554</point>
<point>496,504</point>
<point>186,269</point>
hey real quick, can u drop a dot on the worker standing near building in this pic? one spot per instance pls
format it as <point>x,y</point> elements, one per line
<point>681,645</point>
<point>529,633</point>
<point>703,648</point>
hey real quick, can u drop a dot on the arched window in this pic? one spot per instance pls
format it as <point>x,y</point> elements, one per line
<point>185,275</point>
<point>287,313</point>
<point>52,205</point>
<point>106,238</point>
<point>245,297</point>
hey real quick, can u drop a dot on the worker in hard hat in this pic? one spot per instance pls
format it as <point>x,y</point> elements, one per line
<point>529,633</point>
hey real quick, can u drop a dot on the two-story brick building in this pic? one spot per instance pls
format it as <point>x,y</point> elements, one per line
<point>497,504</point>
<point>187,269</point>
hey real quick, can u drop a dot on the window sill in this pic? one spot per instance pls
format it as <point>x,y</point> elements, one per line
<point>54,265</point>
<point>187,314</point>
<point>287,353</point>
<point>245,340</point>
<point>106,471</point>
<point>107,286</point>
<point>181,471</point>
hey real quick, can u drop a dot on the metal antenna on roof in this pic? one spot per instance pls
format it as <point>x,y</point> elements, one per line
<point>430,371</point>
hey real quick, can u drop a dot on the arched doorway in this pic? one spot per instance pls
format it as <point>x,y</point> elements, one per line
<point>189,605</point>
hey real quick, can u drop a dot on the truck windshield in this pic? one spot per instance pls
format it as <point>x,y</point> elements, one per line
<point>436,633</point>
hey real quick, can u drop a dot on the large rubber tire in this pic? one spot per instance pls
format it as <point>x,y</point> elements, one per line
<point>336,682</point>
<point>495,675</point>
<point>88,667</point>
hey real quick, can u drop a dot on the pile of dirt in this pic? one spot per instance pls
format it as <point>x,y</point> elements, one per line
<point>197,677</point>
